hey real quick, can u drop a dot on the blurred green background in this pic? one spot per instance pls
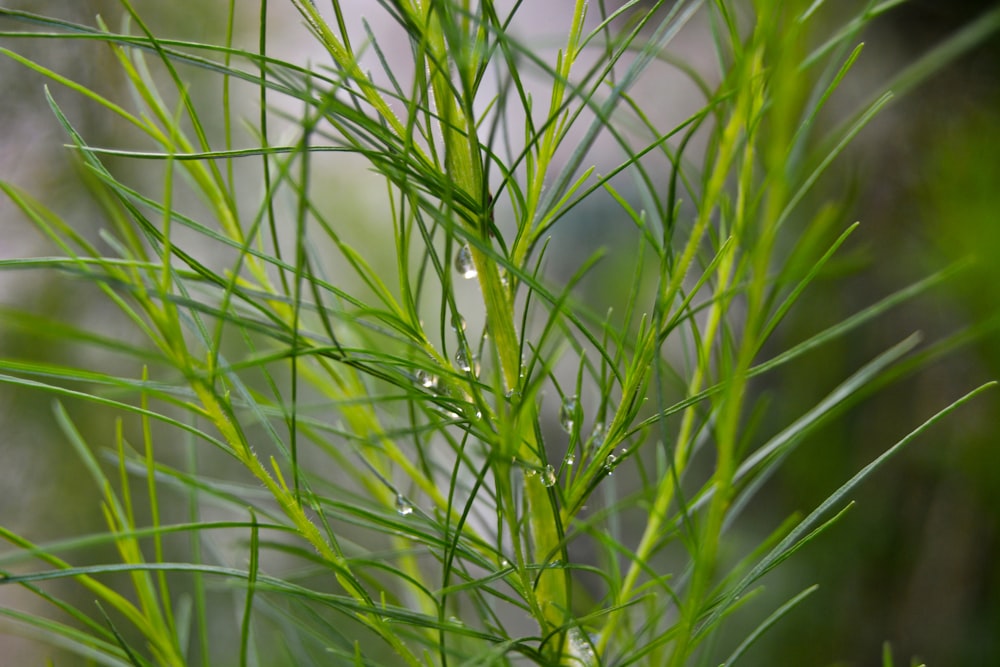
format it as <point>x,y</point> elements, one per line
<point>916,563</point>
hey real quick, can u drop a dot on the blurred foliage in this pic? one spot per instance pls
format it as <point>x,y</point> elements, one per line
<point>918,564</point>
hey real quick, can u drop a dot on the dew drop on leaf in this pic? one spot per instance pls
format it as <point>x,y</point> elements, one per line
<point>580,649</point>
<point>610,462</point>
<point>466,365</point>
<point>567,414</point>
<point>548,476</point>
<point>597,435</point>
<point>403,506</point>
<point>463,263</point>
<point>425,379</point>
<point>446,410</point>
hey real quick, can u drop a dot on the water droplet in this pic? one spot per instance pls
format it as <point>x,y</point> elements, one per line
<point>567,414</point>
<point>570,458</point>
<point>446,411</point>
<point>464,364</point>
<point>511,393</point>
<point>463,263</point>
<point>458,323</point>
<point>425,379</point>
<point>528,471</point>
<point>403,506</point>
<point>597,435</point>
<point>610,462</point>
<point>580,649</point>
<point>504,563</point>
<point>548,476</point>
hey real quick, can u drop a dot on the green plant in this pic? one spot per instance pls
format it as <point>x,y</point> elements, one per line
<point>393,465</point>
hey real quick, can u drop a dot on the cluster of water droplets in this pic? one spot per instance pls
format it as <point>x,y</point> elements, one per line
<point>568,412</point>
<point>432,383</point>
<point>580,649</point>
<point>546,476</point>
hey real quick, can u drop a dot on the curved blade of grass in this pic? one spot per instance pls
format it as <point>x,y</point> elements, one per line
<point>69,638</point>
<point>773,618</point>
<point>793,539</point>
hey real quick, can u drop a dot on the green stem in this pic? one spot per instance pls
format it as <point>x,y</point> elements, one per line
<point>729,141</point>
<point>462,161</point>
